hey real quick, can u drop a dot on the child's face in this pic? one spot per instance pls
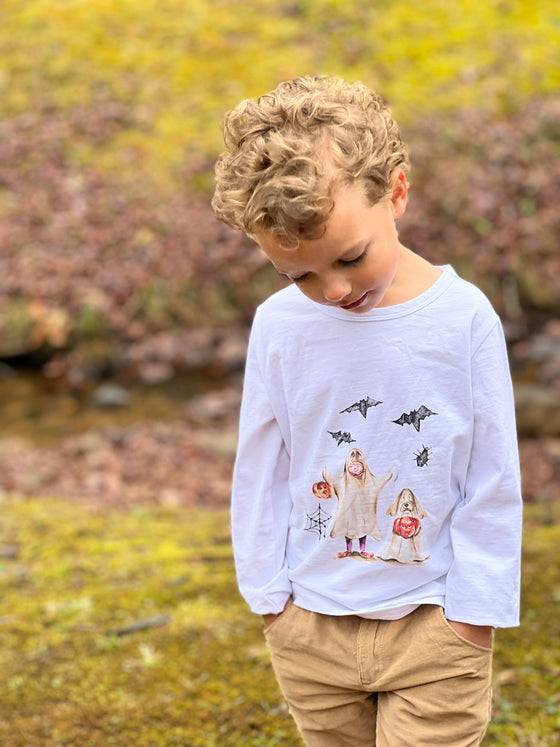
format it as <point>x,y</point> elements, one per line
<point>355,263</point>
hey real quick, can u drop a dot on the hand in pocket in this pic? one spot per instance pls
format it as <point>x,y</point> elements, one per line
<point>269,619</point>
<point>481,635</point>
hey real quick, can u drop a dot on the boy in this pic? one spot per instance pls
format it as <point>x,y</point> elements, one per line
<point>376,509</point>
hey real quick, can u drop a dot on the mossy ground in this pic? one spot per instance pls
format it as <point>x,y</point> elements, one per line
<point>73,577</point>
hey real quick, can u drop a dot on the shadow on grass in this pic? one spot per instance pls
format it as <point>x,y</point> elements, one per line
<point>126,628</point>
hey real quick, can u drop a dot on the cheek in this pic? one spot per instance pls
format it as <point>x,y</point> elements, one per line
<point>385,264</point>
<point>379,277</point>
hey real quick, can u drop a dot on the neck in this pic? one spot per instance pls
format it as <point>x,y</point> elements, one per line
<point>414,276</point>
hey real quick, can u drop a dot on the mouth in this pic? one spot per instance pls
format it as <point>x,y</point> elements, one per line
<point>355,304</point>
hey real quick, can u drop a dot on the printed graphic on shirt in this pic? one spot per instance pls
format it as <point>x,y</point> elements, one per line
<point>414,417</point>
<point>357,490</point>
<point>342,437</point>
<point>423,456</point>
<point>322,489</point>
<point>319,519</point>
<point>406,544</point>
<point>362,406</point>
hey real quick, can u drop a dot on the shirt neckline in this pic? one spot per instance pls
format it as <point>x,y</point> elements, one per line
<point>447,277</point>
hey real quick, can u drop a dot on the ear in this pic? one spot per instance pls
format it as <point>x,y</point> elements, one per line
<point>399,194</point>
<point>394,507</point>
<point>420,510</point>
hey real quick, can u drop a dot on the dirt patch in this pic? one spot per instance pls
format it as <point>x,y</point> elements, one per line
<point>147,463</point>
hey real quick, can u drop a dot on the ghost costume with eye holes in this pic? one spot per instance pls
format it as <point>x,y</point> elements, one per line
<point>357,490</point>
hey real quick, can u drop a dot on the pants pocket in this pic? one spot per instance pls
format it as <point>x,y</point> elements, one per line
<point>451,632</point>
<point>275,628</point>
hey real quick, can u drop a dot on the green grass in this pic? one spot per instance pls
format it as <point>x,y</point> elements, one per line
<point>203,677</point>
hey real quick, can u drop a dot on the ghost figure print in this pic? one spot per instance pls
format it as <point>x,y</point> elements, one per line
<point>406,544</point>
<point>357,490</point>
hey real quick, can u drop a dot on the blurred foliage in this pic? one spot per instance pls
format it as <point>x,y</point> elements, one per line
<point>110,117</point>
<point>484,197</point>
<point>176,66</point>
<point>77,582</point>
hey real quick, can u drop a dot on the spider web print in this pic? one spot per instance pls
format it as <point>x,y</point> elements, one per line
<point>317,522</point>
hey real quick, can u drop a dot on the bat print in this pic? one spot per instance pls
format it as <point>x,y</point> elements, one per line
<point>423,456</point>
<point>415,417</point>
<point>363,406</point>
<point>342,437</point>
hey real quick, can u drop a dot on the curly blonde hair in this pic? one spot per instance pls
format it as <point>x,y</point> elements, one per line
<point>287,152</point>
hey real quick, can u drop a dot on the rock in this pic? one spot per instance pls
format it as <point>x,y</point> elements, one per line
<point>543,347</point>
<point>537,410</point>
<point>221,439</point>
<point>7,372</point>
<point>155,372</point>
<point>218,405</point>
<point>110,395</point>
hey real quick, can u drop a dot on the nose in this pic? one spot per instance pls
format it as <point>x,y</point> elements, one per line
<point>336,289</point>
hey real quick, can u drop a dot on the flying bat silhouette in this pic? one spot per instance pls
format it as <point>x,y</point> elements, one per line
<point>363,406</point>
<point>414,417</point>
<point>422,457</point>
<point>342,437</point>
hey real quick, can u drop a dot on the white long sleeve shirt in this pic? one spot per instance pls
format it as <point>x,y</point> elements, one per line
<point>377,466</point>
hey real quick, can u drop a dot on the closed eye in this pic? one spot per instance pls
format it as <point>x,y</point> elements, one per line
<point>299,279</point>
<point>355,261</point>
<point>344,262</point>
<point>294,280</point>
<point>302,278</point>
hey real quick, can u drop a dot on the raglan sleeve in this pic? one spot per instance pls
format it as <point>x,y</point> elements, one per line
<point>261,503</point>
<point>484,580</point>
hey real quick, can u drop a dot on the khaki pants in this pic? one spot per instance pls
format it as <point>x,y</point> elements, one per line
<point>412,682</point>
